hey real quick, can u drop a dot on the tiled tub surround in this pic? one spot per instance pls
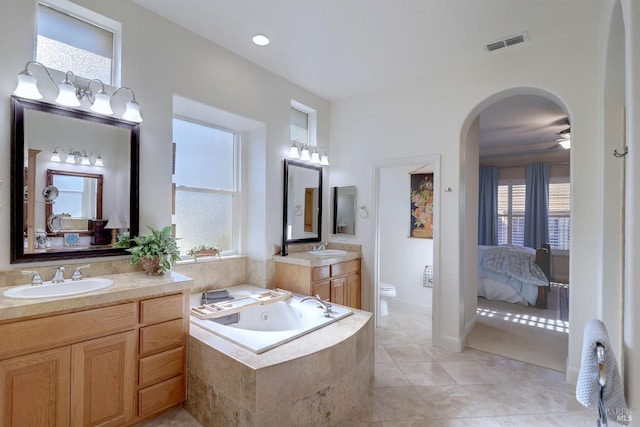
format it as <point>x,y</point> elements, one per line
<point>316,379</point>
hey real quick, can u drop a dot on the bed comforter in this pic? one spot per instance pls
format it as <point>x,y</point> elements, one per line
<point>514,266</point>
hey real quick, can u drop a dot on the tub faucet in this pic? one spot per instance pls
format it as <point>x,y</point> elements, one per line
<point>77,275</point>
<point>58,277</point>
<point>36,279</point>
<point>319,247</point>
<point>321,304</point>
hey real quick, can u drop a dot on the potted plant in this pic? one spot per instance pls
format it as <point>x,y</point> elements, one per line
<point>156,251</point>
<point>204,250</point>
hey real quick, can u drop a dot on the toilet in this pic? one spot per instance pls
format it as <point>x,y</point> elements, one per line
<point>385,290</point>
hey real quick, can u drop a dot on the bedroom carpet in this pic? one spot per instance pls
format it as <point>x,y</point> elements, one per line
<point>528,334</point>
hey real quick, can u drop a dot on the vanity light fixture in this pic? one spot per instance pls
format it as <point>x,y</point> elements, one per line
<point>308,153</point>
<point>75,157</point>
<point>71,93</point>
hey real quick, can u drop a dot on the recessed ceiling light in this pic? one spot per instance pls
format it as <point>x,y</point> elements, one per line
<point>260,40</point>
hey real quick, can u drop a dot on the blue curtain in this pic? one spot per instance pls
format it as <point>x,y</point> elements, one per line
<point>488,206</point>
<point>536,210</point>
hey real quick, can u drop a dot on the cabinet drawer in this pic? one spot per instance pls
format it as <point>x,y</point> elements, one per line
<point>162,336</point>
<point>348,267</point>
<point>161,309</point>
<point>63,329</point>
<point>322,289</point>
<point>320,273</point>
<point>161,366</point>
<point>160,396</point>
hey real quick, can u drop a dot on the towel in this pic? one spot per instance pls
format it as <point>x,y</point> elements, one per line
<point>211,297</point>
<point>588,386</point>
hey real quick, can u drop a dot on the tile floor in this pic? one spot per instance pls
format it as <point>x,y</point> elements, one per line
<point>416,384</point>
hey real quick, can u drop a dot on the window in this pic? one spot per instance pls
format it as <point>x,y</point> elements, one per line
<point>205,180</point>
<point>303,123</point>
<point>511,205</point>
<point>559,215</point>
<point>511,214</point>
<point>71,38</point>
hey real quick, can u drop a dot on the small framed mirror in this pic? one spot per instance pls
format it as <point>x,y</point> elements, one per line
<point>344,210</point>
<point>302,203</point>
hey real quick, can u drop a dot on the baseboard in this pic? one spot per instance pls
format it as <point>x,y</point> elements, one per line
<point>571,375</point>
<point>450,343</point>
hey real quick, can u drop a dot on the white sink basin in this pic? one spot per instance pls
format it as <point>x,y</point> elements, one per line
<point>329,252</point>
<point>52,290</point>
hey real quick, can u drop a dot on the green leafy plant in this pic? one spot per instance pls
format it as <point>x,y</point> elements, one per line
<point>124,241</point>
<point>210,248</point>
<point>160,246</point>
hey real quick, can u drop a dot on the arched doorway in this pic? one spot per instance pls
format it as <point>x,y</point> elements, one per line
<point>508,130</point>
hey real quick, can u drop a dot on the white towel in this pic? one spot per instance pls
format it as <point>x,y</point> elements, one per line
<point>588,386</point>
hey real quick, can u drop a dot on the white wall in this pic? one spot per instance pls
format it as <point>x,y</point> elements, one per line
<point>402,259</point>
<point>159,60</point>
<point>433,115</point>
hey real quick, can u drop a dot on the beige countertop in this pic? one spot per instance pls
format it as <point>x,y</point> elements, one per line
<point>126,286</point>
<point>310,260</point>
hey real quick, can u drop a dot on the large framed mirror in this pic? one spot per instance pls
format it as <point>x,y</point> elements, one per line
<point>71,171</point>
<point>344,210</point>
<point>302,203</point>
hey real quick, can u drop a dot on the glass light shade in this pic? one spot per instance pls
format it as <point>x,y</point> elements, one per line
<point>294,153</point>
<point>71,158</point>
<point>101,103</point>
<point>315,158</point>
<point>55,156</point>
<point>305,154</point>
<point>324,160</point>
<point>132,112</point>
<point>565,143</point>
<point>67,94</point>
<point>85,161</point>
<point>98,161</point>
<point>27,87</point>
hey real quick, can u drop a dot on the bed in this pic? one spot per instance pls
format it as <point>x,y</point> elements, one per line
<point>514,274</point>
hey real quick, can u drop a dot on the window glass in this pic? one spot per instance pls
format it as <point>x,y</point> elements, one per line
<point>299,126</point>
<point>205,180</point>
<point>511,202</point>
<point>67,43</point>
<point>559,215</point>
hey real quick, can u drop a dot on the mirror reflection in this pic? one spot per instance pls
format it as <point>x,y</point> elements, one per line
<point>344,210</point>
<point>302,202</point>
<point>70,168</point>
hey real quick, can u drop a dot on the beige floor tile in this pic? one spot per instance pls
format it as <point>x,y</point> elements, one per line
<point>389,375</point>
<point>425,373</point>
<point>419,423</point>
<point>174,418</point>
<point>469,373</point>
<point>381,355</point>
<point>400,404</point>
<point>409,353</point>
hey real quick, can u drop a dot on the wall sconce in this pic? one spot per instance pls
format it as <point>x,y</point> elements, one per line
<point>308,153</point>
<point>76,157</point>
<point>70,93</point>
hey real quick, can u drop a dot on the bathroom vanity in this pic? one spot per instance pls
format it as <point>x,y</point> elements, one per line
<point>111,357</point>
<point>333,278</point>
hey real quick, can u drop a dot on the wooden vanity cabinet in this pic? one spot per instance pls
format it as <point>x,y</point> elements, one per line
<point>104,366</point>
<point>338,283</point>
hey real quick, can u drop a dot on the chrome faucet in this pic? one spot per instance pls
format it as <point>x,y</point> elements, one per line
<point>321,304</point>
<point>319,247</point>
<point>77,275</point>
<point>36,279</point>
<point>58,277</point>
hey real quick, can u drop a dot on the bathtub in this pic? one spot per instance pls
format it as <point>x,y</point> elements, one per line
<point>262,327</point>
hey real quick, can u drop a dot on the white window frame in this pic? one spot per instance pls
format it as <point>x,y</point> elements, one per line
<point>91,17</point>
<point>236,204</point>
<point>313,120</point>
<point>563,180</point>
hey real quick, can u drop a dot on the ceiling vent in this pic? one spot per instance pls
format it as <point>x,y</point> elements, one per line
<point>507,41</point>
